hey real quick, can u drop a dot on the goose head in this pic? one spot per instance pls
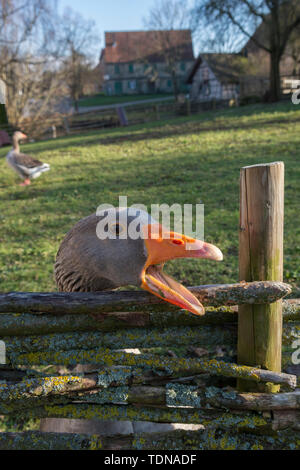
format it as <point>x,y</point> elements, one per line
<point>17,136</point>
<point>118,249</point>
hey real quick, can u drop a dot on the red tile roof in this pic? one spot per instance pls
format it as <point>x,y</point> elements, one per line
<point>131,46</point>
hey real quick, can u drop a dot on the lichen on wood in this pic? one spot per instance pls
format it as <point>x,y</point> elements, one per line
<point>34,440</point>
<point>237,421</point>
<point>42,387</point>
<point>172,440</point>
<point>99,302</point>
<point>260,292</point>
<point>155,340</point>
<point>291,309</point>
<point>130,338</point>
<point>24,324</point>
<point>98,389</point>
<point>173,367</point>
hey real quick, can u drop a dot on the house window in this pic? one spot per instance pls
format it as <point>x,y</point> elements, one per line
<point>130,68</point>
<point>132,84</point>
<point>182,66</point>
<point>169,83</point>
<point>117,69</point>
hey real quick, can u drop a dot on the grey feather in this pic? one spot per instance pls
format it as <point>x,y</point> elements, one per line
<point>85,263</point>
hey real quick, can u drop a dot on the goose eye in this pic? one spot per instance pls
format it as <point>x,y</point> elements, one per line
<point>116,229</point>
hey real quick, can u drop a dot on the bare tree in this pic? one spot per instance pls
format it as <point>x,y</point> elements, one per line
<point>293,49</point>
<point>29,54</point>
<point>3,115</point>
<point>33,93</point>
<point>82,44</point>
<point>218,37</point>
<point>277,20</point>
<point>26,31</point>
<point>164,18</point>
<point>43,57</point>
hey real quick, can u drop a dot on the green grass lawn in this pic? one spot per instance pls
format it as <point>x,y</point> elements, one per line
<point>101,99</point>
<point>178,161</point>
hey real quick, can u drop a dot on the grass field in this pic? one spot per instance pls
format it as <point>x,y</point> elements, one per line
<point>179,161</point>
<point>101,99</point>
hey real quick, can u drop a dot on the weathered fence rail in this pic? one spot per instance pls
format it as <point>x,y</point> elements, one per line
<point>214,295</point>
<point>23,324</point>
<point>147,384</point>
<point>143,360</point>
<point>178,438</point>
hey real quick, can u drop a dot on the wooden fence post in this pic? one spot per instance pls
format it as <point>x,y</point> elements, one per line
<point>157,112</point>
<point>66,125</point>
<point>188,107</point>
<point>261,258</point>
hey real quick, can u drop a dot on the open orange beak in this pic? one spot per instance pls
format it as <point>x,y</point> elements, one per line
<point>163,246</point>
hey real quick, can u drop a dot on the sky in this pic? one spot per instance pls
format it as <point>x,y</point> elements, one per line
<point>111,15</point>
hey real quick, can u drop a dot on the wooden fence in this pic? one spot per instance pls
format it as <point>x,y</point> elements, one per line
<point>63,125</point>
<point>157,363</point>
<point>249,90</point>
<point>109,118</point>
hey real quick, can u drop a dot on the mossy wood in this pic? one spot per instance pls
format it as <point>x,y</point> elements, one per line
<point>216,342</point>
<point>237,420</point>
<point>101,302</point>
<point>90,388</point>
<point>171,440</point>
<point>261,258</point>
<point>161,365</point>
<point>36,324</point>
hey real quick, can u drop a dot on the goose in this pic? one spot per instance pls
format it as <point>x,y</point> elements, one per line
<point>100,253</point>
<point>27,167</point>
<point>87,261</point>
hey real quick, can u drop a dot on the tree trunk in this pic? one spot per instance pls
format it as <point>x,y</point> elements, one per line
<point>3,116</point>
<point>175,84</point>
<point>275,87</point>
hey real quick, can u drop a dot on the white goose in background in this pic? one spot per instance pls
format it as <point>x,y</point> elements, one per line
<point>28,168</point>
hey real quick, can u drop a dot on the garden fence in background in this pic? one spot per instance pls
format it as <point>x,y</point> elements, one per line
<point>211,96</point>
